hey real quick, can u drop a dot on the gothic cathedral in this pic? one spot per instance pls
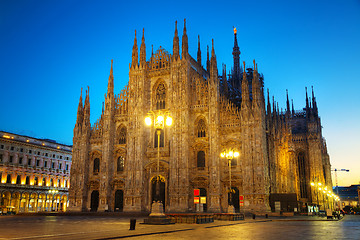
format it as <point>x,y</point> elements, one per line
<point>224,141</point>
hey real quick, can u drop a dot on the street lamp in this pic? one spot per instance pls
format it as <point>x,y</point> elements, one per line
<point>229,155</point>
<point>317,192</point>
<point>159,120</point>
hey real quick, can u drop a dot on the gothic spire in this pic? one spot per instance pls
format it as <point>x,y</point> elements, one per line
<point>287,102</point>
<point>184,47</point>
<point>236,55</point>
<point>143,50</point>
<point>213,63</point>
<point>109,97</point>
<point>110,89</point>
<point>224,82</point>
<point>256,95</point>
<point>268,103</point>
<point>80,112</point>
<point>207,59</point>
<point>245,90</point>
<point>212,49</point>
<point>176,43</point>
<point>199,51</point>
<point>274,107</point>
<point>314,101</point>
<point>307,104</point>
<point>134,56</point>
<point>307,98</point>
<point>86,120</point>
<point>292,108</point>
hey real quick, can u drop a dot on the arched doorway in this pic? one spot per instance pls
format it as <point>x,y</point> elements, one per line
<point>235,198</point>
<point>32,202</point>
<point>119,201</point>
<point>158,189</point>
<point>63,204</point>
<point>15,201</point>
<point>41,202</point>
<point>24,202</point>
<point>94,201</point>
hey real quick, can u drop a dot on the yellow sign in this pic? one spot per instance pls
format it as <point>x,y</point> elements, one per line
<point>203,200</point>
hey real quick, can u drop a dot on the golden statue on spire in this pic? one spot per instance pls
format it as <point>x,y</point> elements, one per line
<point>235,30</point>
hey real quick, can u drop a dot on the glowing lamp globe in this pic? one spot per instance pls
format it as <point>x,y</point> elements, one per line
<point>148,121</point>
<point>168,121</point>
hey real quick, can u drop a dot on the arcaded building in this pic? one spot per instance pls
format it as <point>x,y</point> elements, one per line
<point>34,173</point>
<point>117,160</point>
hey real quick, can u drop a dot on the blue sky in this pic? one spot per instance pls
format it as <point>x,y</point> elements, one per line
<point>50,49</point>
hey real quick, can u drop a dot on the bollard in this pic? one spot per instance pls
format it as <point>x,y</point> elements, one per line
<point>132,224</point>
<point>254,216</point>
<point>266,216</point>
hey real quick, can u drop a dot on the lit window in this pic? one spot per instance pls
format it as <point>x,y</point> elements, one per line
<point>120,164</point>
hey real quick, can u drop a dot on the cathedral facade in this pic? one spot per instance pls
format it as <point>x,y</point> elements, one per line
<point>117,160</point>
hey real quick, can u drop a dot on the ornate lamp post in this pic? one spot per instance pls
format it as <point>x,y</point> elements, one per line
<point>229,155</point>
<point>159,120</point>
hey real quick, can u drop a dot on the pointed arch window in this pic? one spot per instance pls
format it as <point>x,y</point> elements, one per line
<point>43,182</point>
<point>122,136</point>
<point>96,168</point>
<point>161,138</point>
<point>36,181</point>
<point>201,128</point>
<point>200,159</point>
<point>160,96</point>
<point>302,175</point>
<point>120,164</point>
<point>51,182</point>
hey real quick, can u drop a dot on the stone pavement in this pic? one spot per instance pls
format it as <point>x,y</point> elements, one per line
<point>110,227</point>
